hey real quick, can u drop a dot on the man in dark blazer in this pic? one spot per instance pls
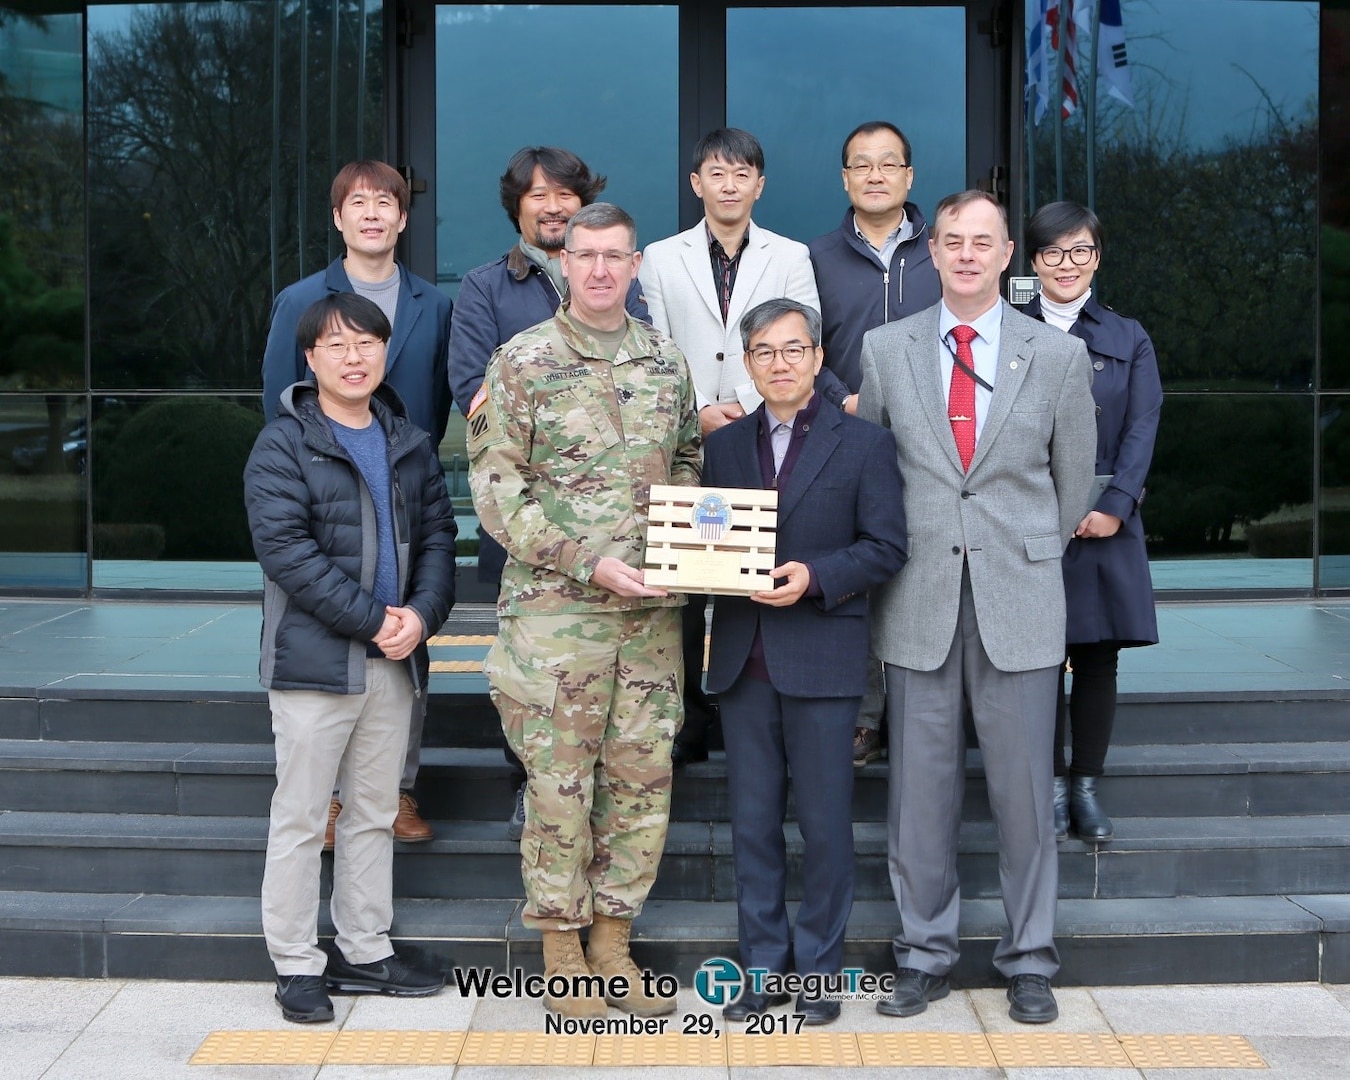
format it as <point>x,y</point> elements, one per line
<point>993,420</point>
<point>790,663</point>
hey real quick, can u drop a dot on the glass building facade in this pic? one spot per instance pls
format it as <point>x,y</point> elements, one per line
<point>165,171</point>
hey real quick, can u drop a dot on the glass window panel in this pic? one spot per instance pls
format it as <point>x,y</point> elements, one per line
<point>801,79</point>
<point>214,132</point>
<point>41,202</point>
<point>1229,499</point>
<point>1335,515</point>
<point>1335,200</point>
<point>169,492</point>
<point>1205,178</point>
<point>44,458</point>
<point>509,76</point>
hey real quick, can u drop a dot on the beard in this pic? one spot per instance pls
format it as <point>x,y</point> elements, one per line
<point>550,242</point>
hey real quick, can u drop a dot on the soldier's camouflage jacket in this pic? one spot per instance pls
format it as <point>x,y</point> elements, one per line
<point>564,447</point>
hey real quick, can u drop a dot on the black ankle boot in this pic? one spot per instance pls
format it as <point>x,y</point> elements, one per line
<point>1089,819</point>
<point>1061,807</point>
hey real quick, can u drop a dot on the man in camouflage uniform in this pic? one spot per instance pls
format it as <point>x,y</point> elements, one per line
<point>575,421</point>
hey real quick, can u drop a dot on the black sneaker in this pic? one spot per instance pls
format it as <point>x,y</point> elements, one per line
<point>388,976</point>
<point>515,828</point>
<point>304,999</point>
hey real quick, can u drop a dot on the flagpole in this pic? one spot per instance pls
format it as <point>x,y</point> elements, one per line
<point>1090,118</point>
<point>1057,100</point>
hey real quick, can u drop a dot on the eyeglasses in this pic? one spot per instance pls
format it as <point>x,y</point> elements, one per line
<point>612,259</point>
<point>1079,255</point>
<point>863,169</point>
<point>792,354</point>
<point>366,347</point>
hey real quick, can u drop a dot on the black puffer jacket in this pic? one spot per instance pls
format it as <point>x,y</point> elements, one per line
<point>313,525</point>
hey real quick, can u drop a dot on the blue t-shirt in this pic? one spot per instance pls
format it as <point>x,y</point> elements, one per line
<point>369,449</point>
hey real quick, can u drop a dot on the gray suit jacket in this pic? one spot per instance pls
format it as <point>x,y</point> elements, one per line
<point>677,283</point>
<point>1012,514</point>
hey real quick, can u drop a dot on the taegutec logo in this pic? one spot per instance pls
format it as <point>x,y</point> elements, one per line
<point>719,981</point>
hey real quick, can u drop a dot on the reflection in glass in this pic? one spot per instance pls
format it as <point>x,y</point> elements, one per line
<point>44,459</point>
<point>1232,477</point>
<point>41,202</point>
<point>509,76</point>
<point>168,488</point>
<point>214,132</point>
<point>1334,539</point>
<point>1335,200</point>
<point>1205,181</point>
<point>800,79</point>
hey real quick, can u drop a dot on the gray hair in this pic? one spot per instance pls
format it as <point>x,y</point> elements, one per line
<point>769,312</point>
<point>601,215</point>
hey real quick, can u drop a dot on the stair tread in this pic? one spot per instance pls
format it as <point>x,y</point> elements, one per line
<point>1130,760</point>
<point>673,920</point>
<point>38,828</point>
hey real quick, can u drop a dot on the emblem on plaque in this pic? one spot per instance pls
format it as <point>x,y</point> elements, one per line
<point>712,517</point>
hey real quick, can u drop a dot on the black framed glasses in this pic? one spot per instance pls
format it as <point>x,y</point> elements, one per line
<point>1079,254</point>
<point>792,354</point>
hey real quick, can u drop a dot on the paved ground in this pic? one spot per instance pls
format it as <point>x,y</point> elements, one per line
<point>1285,645</point>
<point>108,1030</point>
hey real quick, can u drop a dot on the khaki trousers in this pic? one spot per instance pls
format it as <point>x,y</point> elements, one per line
<point>359,740</point>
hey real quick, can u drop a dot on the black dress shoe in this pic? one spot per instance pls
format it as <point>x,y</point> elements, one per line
<point>1031,1001</point>
<point>1085,812</point>
<point>818,1012</point>
<point>682,754</point>
<point>913,991</point>
<point>750,1003</point>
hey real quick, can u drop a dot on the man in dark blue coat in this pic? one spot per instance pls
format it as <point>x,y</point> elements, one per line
<point>790,664</point>
<point>542,188</point>
<point>370,209</point>
<point>354,532</point>
<point>874,269</point>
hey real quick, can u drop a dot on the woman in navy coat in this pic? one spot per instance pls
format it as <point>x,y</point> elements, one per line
<point>1106,579</point>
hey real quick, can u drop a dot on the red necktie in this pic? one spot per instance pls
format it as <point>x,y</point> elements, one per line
<point>961,398</point>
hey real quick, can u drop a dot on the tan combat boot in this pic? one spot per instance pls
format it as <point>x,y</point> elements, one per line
<point>563,956</point>
<point>607,955</point>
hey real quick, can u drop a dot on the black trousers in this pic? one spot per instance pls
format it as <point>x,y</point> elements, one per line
<point>698,710</point>
<point>1087,713</point>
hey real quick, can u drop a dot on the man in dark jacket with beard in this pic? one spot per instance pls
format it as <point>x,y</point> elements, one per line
<point>356,537</point>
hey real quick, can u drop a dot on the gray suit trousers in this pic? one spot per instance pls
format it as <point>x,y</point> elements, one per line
<point>1014,716</point>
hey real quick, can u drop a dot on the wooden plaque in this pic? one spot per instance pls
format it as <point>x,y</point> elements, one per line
<point>711,540</point>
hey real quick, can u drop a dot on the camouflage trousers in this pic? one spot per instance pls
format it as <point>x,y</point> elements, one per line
<point>591,704</point>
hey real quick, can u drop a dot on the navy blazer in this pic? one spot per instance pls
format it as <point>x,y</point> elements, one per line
<point>843,512</point>
<point>415,363</point>
<point>1107,586</point>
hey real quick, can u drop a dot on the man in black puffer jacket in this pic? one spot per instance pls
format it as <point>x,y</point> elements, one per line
<point>353,528</point>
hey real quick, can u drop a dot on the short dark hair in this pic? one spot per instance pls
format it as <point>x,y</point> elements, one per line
<point>341,309</point>
<point>563,167</point>
<point>732,145</point>
<point>601,215</point>
<point>1059,219</point>
<point>871,127</point>
<point>769,312</point>
<point>374,175</point>
<point>954,203</point>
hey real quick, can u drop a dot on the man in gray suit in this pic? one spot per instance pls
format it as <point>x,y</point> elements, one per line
<point>995,431</point>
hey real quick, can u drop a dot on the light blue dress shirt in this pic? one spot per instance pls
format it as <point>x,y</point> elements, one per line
<point>984,347</point>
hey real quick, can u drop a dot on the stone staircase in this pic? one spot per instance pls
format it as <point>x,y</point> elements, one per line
<point>133,826</point>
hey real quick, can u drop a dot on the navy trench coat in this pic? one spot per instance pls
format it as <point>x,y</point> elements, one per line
<point>1107,585</point>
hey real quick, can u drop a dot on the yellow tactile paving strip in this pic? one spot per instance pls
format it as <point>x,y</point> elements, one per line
<point>461,639</point>
<point>1038,1049</point>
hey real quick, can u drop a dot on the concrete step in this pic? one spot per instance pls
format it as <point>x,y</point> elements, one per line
<point>472,784</point>
<point>465,717</point>
<point>223,856</point>
<point>1272,938</point>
